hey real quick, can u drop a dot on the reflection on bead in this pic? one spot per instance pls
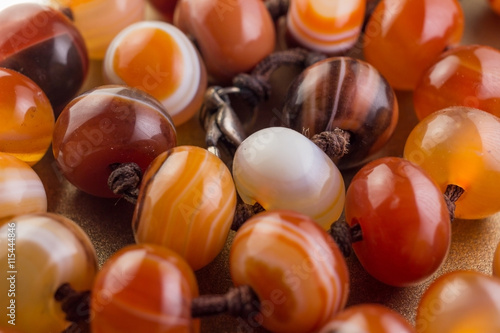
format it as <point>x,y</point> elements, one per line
<point>282,169</point>
<point>165,7</point>
<point>294,267</point>
<point>495,5</point>
<point>186,203</point>
<point>346,93</point>
<point>460,302</point>
<point>27,119</point>
<point>158,58</point>
<point>144,288</point>
<point>105,126</point>
<point>461,146</point>
<point>49,250</point>
<point>496,262</point>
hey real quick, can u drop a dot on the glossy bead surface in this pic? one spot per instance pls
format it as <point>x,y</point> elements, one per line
<point>43,44</point>
<point>186,203</point>
<point>144,288</point>
<point>466,75</point>
<point>49,250</point>
<point>282,169</point>
<point>461,146</point>
<point>27,117</point>
<point>327,26</point>
<point>294,267</point>
<point>460,301</point>
<point>108,125</point>
<point>233,36</point>
<point>158,58</point>
<point>165,7</point>
<point>495,5</point>
<point>403,218</point>
<point>496,262</point>
<point>346,93</point>
<point>404,37</point>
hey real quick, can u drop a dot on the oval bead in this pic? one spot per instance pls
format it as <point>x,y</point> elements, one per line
<point>144,288</point>
<point>233,36</point>
<point>186,203</point>
<point>50,250</point>
<point>346,93</point>
<point>282,169</point>
<point>294,267</point>
<point>496,262</point>
<point>105,126</point>
<point>403,218</point>
<point>404,37</point>
<point>27,117</point>
<point>460,301</point>
<point>158,58</point>
<point>461,146</point>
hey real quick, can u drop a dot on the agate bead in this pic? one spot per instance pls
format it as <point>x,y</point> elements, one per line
<point>282,169</point>
<point>233,35</point>
<point>295,268</point>
<point>403,218</point>
<point>50,250</point>
<point>106,126</point>
<point>461,146</point>
<point>27,117</point>
<point>186,203</point>
<point>465,75</point>
<point>346,93</point>
<point>144,288</point>
<point>460,301</point>
<point>495,5</point>
<point>404,37</point>
<point>158,58</point>
<point>496,262</point>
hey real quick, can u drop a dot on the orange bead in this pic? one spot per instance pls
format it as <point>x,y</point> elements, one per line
<point>495,5</point>
<point>461,146</point>
<point>496,262</point>
<point>295,268</point>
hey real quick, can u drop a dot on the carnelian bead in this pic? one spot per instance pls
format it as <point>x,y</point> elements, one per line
<point>496,262</point>
<point>495,5</point>
<point>294,267</point>
<point>460,301</point>
<point>404,37</point>
<point>186,203</point>
<point>461,146</point>
<point>144,288</point>
<point>465,75</point>
<point>404,220</point>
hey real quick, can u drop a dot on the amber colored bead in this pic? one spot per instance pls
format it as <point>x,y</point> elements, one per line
<point>404,220</point>
<point>495,5</point>
<point>461,146</point>
<point>186,203</point>
<point>496,262</point>
<point>144,288</point>
<point>404,37</point>
<point>460,301</point>
<point>295,268</point>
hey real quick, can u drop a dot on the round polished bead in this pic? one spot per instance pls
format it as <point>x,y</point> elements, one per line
<point>496,262</point>
<point>295,268</point>
<point>461,146</point>
<point>186,203</point>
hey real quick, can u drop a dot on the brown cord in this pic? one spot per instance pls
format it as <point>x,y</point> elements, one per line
<point>125,179</point>
<point>241,301</point>
<point>76,306</point>
<point>277,8</point>
<point>334,143</point>
<point>345,235</point>
<point>451,195</point>
<point>243,213</point>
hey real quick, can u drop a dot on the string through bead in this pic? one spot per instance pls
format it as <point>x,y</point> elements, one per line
<point>75,305</point>
<point>451,195</point>
<point>239,302</point>
<point>125,179</point>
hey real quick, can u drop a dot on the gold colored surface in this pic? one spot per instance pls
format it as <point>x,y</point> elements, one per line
<point>108,222</point>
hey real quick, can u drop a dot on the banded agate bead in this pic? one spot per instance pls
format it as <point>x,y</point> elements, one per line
<point>496,262</point>
<point>282,169</point>
<point>460,301</point>
<point>50,250</point>
<point>144,288</point>
<point>21,190</point>
<point>233,36</point>
<point>294,267</point>
<point>158,58</point>
<point>495,5</point>
<point>404,37</point>
<point>461,146</point>
<point>326,26</point>
<point>27,117</point>
<point>165,7</point>
<point>466,75</point>
<point>186,203</point>
<point>346,93</point>
<point>105,126</point>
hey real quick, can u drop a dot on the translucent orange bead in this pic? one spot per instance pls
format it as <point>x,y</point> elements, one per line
<point>294,267</point>
<point>186,203</point>
<point>404,37</point>
<point>460,301</point>
<point>496,262</point>
<point>144,288</point>
<point>461,146</point>
<point>495,5</point>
